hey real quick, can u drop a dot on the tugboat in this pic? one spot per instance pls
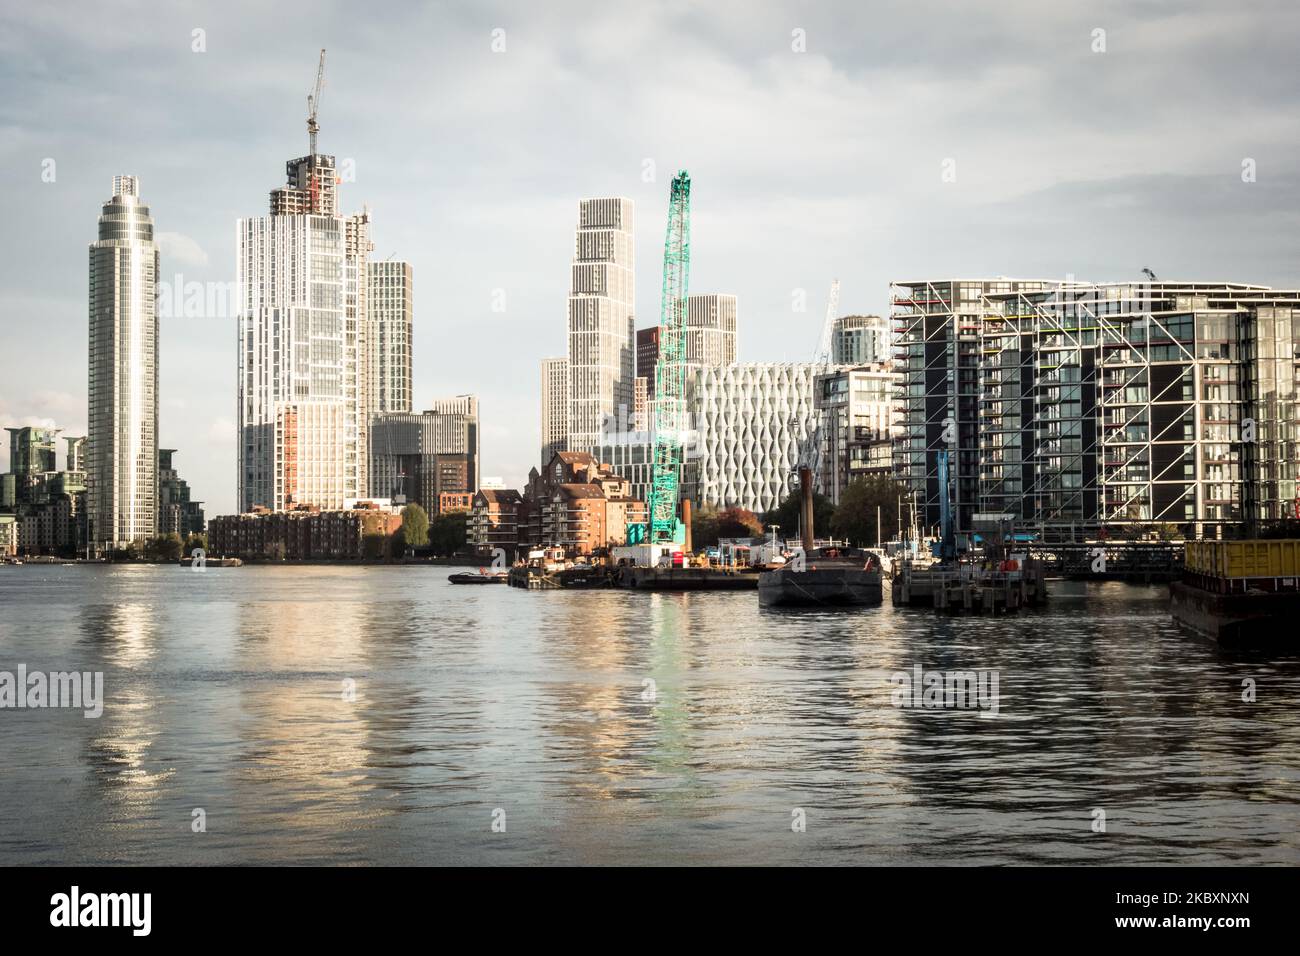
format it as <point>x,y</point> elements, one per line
<point>822,577</point>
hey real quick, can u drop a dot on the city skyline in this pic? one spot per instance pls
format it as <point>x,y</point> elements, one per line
<point>814,194</point>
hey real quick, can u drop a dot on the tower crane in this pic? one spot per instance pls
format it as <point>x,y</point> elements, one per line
<point>808,457</point>
<point>670,371</point>
<point>823,356</point>
<point>313,103</point>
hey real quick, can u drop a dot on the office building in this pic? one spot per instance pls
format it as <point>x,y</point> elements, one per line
<point>429,458</point>
<point>753,422</point>
<point>122,408</point>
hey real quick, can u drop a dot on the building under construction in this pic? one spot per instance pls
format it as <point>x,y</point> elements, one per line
<point>1077,407</point>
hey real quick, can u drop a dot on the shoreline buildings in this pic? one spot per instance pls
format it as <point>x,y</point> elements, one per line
<point>430,459</point>
<point>856,425</point>
<point>43,507</point>
<point>752,423</point>
<point>304,376</point>
<point>122,396</point>
<point>1079,407</point>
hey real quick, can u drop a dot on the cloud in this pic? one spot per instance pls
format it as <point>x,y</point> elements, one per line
<point>805,166</point>
<point>178,249</point>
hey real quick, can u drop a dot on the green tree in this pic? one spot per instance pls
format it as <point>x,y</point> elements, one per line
<point>164,547</point>
<point>855,518</point>
<point>447,533</point>
<point>195,541</point>
<point>415,526</point>
<point>787,515</point>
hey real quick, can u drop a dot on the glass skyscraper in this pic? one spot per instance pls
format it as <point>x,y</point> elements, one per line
<point>122,445</point>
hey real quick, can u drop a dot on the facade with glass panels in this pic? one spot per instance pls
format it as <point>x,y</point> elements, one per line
<point>122,439</point>
<point>1119,406</point>
<point>304,369</point>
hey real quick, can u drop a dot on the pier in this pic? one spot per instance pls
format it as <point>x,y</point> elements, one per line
<point>686,579</point>
<point>1143,562</point>
<point>964,587</point>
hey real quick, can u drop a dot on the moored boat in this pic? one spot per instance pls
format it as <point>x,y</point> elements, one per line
<point>830,577</point>
<point>482,576</point>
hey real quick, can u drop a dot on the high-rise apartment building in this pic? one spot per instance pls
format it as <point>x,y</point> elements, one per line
<point>936,340</point>
<point>304,376</point>
<point>602,365</point>
<point>122,413</point>
<point>1105,406</point>
<point>859,340</point>
<point>177,513</point>
<point>1131,404</point>
<point>391,313</point>
<point>856,414</point>
<point>555,406</point>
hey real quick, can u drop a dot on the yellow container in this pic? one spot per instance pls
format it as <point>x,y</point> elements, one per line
<point>1245,559</point>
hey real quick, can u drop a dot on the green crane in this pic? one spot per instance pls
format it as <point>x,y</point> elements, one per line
<point>670,371</point>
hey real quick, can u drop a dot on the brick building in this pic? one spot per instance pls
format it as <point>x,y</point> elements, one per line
<point>304,533</point>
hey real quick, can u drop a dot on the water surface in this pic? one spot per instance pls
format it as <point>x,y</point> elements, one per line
<point>616,727</point>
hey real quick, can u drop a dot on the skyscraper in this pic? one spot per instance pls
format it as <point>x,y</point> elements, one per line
<point>304,377</point>
<point>710,330</point>
<point>122,445</point>
<point>602,363</point>
<point>555,406</point>
<point>391,313</point>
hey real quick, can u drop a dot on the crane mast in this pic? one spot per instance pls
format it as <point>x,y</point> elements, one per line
<point>670,370</point>
<point>313,104</point>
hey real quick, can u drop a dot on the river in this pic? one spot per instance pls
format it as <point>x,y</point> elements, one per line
<point>349,715</point>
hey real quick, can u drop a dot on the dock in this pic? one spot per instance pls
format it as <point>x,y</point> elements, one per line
<point>583,576</point>
<point>686,579</point>
<point>948,587</point>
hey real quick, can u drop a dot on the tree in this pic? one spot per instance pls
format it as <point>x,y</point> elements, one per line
<point>415,526</point>
<point>855,518</point>
<point>447,533</point>
<point>738,523</point>
<point>164,547</point>
<point>704,527</point>
<point>787,514</point>
<point>195,541</point>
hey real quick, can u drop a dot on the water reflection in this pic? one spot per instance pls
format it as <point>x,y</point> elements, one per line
<point>620,727</point>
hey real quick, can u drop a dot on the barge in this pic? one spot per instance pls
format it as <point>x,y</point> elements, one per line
<point>1240,593</point>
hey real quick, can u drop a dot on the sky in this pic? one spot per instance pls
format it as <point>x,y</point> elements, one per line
<point>862,141</point>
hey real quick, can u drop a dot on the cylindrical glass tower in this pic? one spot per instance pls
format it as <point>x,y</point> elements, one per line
<point>122,445</point>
